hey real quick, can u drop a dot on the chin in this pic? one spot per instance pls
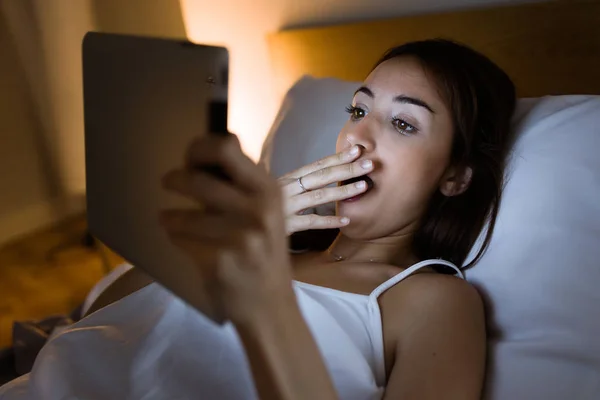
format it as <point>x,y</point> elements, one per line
<point>359,231</point>
<point>369,218</point>
<point>361,220</point>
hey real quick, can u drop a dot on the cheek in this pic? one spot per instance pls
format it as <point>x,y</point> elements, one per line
<point>415,171</point>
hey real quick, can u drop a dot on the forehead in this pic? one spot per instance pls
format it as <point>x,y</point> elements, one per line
<point>403,75</point>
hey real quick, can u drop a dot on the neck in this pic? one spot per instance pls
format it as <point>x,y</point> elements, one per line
<point>394,250</point>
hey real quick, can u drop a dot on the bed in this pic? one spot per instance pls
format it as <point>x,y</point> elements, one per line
<point>539,278</point>
<point>543,346</point>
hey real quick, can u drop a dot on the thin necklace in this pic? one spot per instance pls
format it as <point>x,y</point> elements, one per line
<point>337,257</point>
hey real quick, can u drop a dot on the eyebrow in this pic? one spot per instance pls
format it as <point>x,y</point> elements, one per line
<point>398,99</point>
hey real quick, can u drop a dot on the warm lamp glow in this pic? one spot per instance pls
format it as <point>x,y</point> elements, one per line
<point>242,29</point>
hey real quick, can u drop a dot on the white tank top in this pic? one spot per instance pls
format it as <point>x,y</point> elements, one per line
<point>150,345</point>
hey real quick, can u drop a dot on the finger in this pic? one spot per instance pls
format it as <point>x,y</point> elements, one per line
<point>336,173</point>
<point>204,228</point>
<point>226,152</point>
<point>312,221</point>
<point>292,187</point>
<point>213,193</point>
<point>329,161</point>
<point>323,196</point>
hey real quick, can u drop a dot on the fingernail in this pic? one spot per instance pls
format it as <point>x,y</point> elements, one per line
<point>360,185</point>
<point>354,150</point>
<point>366,164</point>
<point>345,220</point>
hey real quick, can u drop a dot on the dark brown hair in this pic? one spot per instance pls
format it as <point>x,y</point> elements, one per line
<point>481,98</point>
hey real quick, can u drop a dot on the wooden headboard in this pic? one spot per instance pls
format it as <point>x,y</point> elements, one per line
<point>548,48</point>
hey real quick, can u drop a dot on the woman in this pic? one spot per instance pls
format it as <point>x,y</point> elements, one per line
<point>379,314</point>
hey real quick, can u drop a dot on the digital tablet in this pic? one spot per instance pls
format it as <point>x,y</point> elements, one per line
<point>145,99</point>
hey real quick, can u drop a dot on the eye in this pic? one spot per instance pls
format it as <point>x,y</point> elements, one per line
<point>356,113</point>
<point>404,127</point>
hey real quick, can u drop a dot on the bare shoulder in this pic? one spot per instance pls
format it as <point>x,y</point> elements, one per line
<point>434,297</point>
<point>434,325</point>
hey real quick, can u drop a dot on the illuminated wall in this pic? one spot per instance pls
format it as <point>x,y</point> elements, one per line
<point>242,26</point>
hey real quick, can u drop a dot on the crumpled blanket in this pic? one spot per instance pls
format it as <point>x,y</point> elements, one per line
<point>28,339</point>
<point>30,336</point>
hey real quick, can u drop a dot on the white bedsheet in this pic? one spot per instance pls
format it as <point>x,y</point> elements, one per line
<point>139,330</point>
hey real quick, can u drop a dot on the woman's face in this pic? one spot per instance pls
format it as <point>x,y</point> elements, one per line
<point>406,129</point>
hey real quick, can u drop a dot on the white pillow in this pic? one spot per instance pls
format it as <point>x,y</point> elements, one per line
<point>541,273</point>
<point>540,277</point>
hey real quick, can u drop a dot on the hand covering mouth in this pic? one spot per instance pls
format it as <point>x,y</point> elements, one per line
<point>365,178</point>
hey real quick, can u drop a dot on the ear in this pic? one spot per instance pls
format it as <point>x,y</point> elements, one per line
<point>456,181</point>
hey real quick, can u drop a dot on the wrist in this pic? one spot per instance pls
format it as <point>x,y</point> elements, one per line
<point>271,313</point>
<point>283,355</point>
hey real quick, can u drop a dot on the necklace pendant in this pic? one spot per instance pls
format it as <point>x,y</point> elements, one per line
<point>337,257</point>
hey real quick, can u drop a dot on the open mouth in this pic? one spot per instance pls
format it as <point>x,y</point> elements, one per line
<point>366,178</point>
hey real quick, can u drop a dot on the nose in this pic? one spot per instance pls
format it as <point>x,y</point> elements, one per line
<point>361,134</point>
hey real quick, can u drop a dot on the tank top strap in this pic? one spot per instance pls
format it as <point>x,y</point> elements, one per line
<point>409,271</point>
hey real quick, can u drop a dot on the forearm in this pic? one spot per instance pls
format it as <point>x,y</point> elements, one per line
<point>285,360</point>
